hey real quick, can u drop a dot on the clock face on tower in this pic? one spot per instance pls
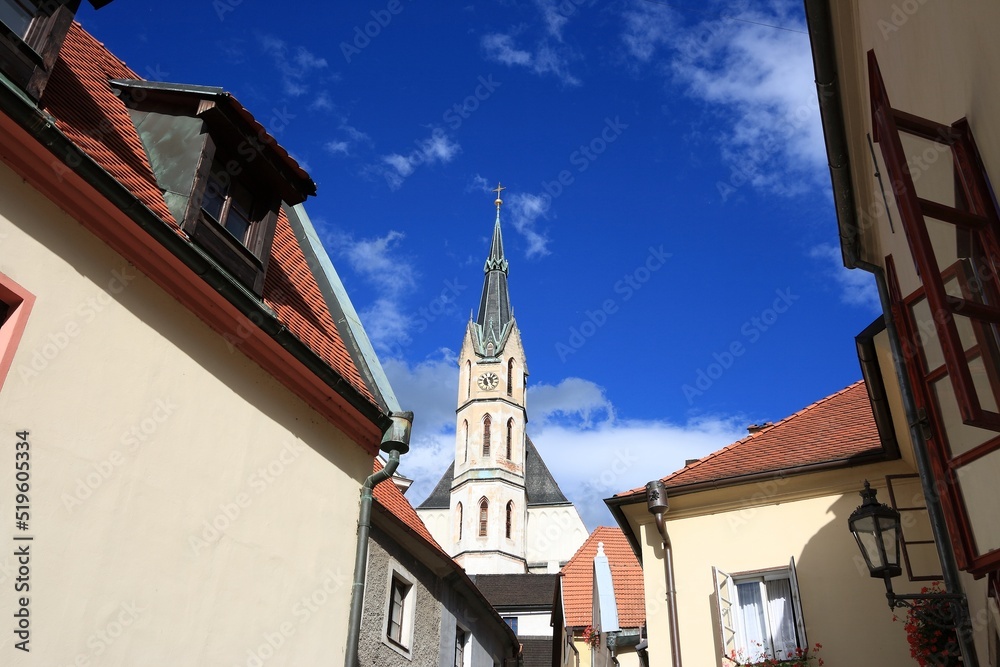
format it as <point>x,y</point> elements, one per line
<point>489,381</point>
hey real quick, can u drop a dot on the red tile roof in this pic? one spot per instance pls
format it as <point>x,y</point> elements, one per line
<point>393,500</point>
<point>626,573</point>
<point>837,428</point>
<point>91,115</point>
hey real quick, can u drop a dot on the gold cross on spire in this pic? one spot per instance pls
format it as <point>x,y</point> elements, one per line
<point>498,189</point>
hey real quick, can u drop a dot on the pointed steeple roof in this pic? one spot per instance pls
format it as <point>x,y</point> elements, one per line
<point>495,314</point>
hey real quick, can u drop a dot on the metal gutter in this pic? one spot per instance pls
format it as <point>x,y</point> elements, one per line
<point>820,26</point>
<point>615,503</point>
<point>42,128</point>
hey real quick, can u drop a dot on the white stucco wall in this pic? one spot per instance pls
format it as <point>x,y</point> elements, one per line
<point>186,508</point>
<point>554,535</point>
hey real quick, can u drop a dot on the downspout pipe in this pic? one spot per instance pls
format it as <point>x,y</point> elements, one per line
<point>656,503</point>
<point>942,540</point>
<point>395,442</point>
<point>820,25</point>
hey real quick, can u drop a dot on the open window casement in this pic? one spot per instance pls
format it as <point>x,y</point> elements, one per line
<point>800,624</point>
<point>952,318</point>
<point>725,596</point>
<point>760,614</point>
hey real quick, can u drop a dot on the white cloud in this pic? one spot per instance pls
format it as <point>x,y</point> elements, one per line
<point>647,28</point>
<point>857,287</point>
<point>547,58</point>
<point>380,263</point>
<point>525,210</point>
<point>296,66</point>
<point>573,398</point>
<point>591,454</point>
<point>376,260</point>
<point>615,456</point>
<point>354,134</point>
<point>321,103</point>
<point>758,78</point>
<point>552,14</point>
<point>337,147</point>
<point>437,148</point>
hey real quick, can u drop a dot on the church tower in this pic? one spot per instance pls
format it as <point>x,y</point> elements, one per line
<point>497,509</point>
<point>488,502</point>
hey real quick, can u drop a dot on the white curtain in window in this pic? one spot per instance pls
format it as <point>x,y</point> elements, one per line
<point>779,603</point>
<point>752,640</point>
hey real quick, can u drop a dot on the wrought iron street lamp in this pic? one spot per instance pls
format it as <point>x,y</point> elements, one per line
<point>876,527</point>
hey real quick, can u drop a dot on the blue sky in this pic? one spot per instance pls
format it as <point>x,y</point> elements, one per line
<point>674,266</point>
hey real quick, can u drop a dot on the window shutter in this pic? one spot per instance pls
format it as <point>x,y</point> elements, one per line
<point>725,597</point>
<point>800,624</point>
<point>952,320</point>
<point>965,301</point>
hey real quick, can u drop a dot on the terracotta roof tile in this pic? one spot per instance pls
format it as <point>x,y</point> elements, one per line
<point>836,428</point>
<point>91,115</point>
<point>393,500</point>
<point>626,573</point>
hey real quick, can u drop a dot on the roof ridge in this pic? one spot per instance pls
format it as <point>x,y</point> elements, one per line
<point>781,422</point>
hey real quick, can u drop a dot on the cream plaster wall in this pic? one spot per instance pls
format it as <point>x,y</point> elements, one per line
<point>761,526</point>
<point>186,508</point>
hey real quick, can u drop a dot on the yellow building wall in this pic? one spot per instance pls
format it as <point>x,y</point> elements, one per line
<point>939,60</point>
<point>759,526</point>
<point>186,508</point>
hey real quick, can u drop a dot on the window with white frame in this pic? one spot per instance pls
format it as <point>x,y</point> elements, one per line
<point>399,609</point>
<point>760,613</point>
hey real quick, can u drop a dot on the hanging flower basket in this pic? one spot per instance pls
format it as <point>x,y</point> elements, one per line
<point>592,636</point>
<point>930,631</point>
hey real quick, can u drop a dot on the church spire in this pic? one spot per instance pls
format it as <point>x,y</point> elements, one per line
<point>494,308</point>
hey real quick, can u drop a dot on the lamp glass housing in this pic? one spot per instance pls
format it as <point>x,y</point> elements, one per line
<point>876,527</point>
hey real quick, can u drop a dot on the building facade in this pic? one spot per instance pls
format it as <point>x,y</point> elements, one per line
<point>764,563</point>
<point>909,104</point>
<point>191,414</point>
<point>600,589</point>
<point>420,607</point>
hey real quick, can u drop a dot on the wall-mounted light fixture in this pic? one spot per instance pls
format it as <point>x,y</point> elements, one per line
<point>877,529</point>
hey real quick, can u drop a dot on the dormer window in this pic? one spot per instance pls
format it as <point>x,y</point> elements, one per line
<point>31,34</point>
<point>17,15</point>
<point>222,176</point>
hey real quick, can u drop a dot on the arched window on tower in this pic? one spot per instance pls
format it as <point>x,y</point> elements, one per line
<point>484,517</point>
<point>465,431</point>
<point>510,438</point>
<point>468,379</point>
<point>486,435</point>
<point>510,518</point>
<point>458,531</point>
<point>510,377</point>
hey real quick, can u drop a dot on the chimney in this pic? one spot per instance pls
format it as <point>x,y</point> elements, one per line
<point>757,428</point>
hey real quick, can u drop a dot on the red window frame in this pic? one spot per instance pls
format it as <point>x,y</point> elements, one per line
<point>978,217</point>
<point>16,303</point>
<point>975,217</point>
